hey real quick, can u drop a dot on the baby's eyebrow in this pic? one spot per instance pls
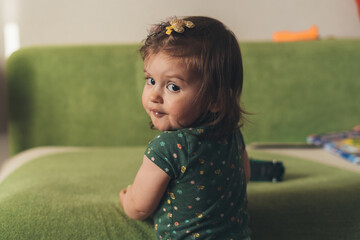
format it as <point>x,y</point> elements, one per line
<point>177,76</point>
<point>180,77</point>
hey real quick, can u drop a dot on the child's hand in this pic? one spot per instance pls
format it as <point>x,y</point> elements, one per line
<point>357,128</point>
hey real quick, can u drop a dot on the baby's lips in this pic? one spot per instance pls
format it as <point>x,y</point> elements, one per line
<point>157,113</point>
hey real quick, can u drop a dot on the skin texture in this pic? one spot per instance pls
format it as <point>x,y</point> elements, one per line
<point>140,200</point>
<point>168,98</point>
<point>169,93</point>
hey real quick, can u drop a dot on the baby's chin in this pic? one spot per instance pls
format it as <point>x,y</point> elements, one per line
<point>166,128</point>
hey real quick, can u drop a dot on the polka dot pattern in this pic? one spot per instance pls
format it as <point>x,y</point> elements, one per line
<point>206,195</point>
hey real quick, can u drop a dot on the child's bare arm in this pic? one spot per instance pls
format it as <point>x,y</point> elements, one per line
<point>141,199</point>
<point>247,166</point>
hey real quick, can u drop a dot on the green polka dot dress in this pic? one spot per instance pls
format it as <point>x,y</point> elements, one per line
<point>206,196</point>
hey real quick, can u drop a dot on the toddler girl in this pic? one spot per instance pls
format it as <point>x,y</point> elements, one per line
<point>194,174</point>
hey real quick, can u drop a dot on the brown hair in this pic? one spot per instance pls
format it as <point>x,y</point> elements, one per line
<point>211,51</point>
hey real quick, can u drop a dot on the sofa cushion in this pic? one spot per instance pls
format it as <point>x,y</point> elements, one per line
<point>74,195</point>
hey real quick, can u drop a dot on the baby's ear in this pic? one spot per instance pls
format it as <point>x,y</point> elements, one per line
<point>215,108</point>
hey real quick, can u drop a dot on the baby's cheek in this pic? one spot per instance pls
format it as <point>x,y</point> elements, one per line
<point>143,99</point>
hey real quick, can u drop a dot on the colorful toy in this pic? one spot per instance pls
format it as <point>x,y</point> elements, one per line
<point>322,139</point>
<point>344,144</point>
<point>348,148</point>
<point>288,36</point>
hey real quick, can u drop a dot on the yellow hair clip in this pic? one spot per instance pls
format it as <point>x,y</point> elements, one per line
<point>178,26</point>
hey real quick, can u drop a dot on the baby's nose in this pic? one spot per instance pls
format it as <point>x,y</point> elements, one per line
<point>156,97</point>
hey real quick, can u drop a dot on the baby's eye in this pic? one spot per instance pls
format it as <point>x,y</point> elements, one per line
<point>173,88</point>
<point>150,81</point>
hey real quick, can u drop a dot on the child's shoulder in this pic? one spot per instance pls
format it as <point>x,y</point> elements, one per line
<point>181,133</point>
<point>191,135</point>
<point>180,136</point>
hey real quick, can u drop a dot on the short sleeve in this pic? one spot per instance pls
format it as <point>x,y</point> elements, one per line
<point>240,140</point>
<point>167,152</point>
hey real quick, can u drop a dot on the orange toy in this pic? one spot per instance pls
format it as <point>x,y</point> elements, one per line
<point>288,36</point>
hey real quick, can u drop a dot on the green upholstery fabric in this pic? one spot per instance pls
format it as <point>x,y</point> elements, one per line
<point>296,89</point>
<point>75,196</point>
<point>76,96</point>
<point>91,95</point>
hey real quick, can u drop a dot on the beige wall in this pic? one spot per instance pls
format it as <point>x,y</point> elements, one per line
<point>98,21</point>
<point>112,21</point>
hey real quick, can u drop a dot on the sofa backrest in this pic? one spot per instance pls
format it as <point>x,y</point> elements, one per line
<point>91,95</point>
<point>76,96</point>
<point>301,88</point>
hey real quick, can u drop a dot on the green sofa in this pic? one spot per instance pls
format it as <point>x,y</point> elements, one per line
<point>78,132</point>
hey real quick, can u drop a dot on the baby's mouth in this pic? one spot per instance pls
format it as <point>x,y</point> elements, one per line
<point>157,113</point>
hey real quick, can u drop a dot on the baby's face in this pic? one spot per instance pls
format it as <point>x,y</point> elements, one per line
<point>169,93</point>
